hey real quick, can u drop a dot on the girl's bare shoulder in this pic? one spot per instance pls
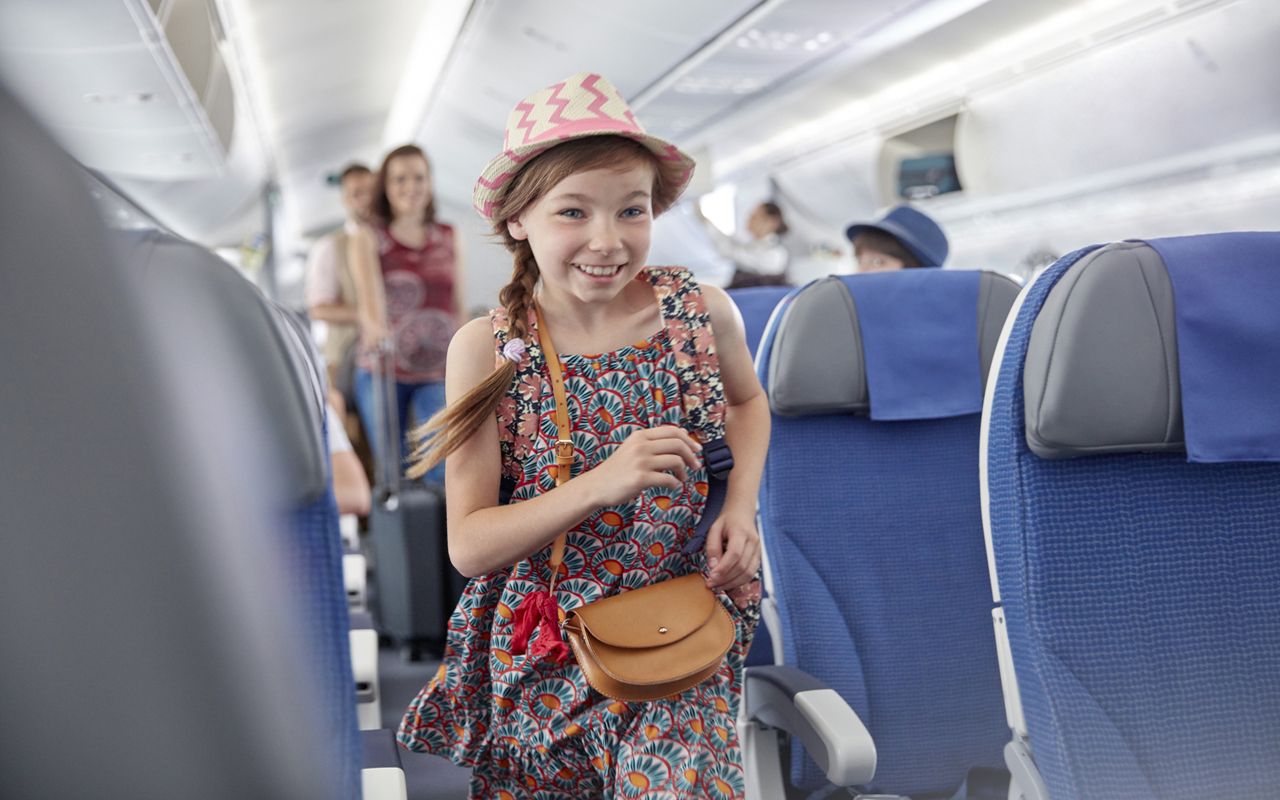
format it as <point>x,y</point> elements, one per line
<point>473,339</point>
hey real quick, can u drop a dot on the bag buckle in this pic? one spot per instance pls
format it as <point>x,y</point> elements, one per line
<point>718,457</point>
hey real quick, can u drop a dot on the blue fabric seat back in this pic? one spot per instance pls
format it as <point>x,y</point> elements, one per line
<point>756,303</point>
<point>874,539</point>
<point>1140,594</point>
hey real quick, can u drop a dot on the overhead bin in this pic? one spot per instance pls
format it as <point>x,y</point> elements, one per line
<point>152,99</point>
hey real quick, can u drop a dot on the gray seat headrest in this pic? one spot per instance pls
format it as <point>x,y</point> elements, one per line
<point>1101,371</point>
<point>206,298</point>
<point>816,365</point>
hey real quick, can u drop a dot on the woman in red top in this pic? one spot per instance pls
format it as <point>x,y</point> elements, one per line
<point>408,294</point>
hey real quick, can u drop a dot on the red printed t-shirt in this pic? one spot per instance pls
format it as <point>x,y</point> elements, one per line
<point>421,308</point>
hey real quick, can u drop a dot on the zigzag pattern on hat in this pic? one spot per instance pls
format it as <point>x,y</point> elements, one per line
<point>546,115</point>
<point>585,104</point>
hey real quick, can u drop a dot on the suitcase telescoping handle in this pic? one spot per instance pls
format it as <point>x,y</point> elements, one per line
<point>386,420</point>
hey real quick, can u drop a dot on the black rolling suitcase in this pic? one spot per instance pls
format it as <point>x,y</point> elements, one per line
<point>415,585</point>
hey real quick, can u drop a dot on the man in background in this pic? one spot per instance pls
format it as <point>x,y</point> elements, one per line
<point>330,290</point>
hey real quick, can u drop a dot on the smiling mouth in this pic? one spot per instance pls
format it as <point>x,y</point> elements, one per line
<point>600,271</point>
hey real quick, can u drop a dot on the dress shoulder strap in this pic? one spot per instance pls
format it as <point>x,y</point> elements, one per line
<point>518,409</point>
<point>693,342</point>
<point>698,370</point>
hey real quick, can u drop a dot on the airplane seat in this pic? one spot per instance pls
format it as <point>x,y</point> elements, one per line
<point>757,304</point>
<point>316,518</point>
<point>137,658</point>
<point>870,518</point>
<point>288,386</point>
<point>1132,503</point>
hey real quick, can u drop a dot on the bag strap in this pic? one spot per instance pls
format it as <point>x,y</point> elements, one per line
<point>564,434</point>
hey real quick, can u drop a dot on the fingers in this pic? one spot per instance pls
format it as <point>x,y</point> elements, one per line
<point>728,563</point>
<point>671,463</point>
<point>670,439</point>
<point>739,563</point>
<point>714,548</point>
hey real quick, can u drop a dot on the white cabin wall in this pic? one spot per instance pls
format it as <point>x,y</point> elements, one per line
<point>1173,133</point>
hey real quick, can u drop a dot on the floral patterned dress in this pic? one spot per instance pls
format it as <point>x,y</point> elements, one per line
<point>532,728</point>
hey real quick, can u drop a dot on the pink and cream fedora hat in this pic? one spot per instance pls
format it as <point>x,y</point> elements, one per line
<point>583,105</point>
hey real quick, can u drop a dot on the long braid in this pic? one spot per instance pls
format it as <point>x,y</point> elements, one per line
<point>517,296</point>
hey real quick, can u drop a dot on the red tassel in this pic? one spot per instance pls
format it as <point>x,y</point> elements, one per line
<point>539,611</point>
<point>550,644</point>
<point>525,620</point>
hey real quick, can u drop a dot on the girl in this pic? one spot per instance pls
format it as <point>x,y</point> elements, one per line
<point>573,197</point>
<point>408,294</point>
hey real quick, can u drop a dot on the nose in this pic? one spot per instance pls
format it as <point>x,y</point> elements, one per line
<point>604,236</point>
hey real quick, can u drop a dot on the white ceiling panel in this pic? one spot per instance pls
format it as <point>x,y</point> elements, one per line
<point>324,84</point>
<point>66,25</point>
<point>100,75</point>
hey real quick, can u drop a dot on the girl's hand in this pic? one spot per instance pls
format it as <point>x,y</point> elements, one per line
<point>733,555</point>
<point>659,456</point>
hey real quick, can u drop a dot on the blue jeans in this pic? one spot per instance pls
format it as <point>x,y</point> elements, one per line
<point>422,399</point>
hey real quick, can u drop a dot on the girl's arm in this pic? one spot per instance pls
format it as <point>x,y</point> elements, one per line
<point>733,544</point>
<point>484,536</point>
<point>366,274</point>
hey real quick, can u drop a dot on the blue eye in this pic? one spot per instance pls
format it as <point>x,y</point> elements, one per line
<point>572,213</point>
<point>633,212</point>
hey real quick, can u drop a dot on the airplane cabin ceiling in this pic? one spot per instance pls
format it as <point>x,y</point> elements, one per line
<point>733,81</point>
<point>509,50</point>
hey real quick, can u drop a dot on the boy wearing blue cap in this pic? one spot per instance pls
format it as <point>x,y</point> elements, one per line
<point>902,238</point>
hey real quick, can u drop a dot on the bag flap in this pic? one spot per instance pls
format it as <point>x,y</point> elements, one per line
<point>650,617</point>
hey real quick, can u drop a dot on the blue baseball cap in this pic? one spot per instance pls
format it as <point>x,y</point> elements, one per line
<point>914,230</point>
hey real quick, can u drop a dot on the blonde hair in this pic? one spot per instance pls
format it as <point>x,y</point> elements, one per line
<point>446,431</point>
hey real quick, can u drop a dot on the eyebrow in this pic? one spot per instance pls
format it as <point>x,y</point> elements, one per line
<point>582,198</point>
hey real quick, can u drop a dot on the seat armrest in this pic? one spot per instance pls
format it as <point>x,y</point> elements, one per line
<point>773,623</point>
<point>1025,782</point>
<point>364,670</point>
<point>382,776</point>
<point>800,704</point>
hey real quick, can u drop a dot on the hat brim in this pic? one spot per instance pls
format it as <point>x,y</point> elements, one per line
<point>676,165</point>
<point>904,237</point>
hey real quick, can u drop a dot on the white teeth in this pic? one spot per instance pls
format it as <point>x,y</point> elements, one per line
<point>599,272</point>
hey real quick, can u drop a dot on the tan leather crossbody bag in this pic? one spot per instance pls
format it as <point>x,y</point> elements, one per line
<point>646,643</point>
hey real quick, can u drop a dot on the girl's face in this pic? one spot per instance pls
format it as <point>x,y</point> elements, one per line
<point>590,233</point>
<point>408,184</point>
